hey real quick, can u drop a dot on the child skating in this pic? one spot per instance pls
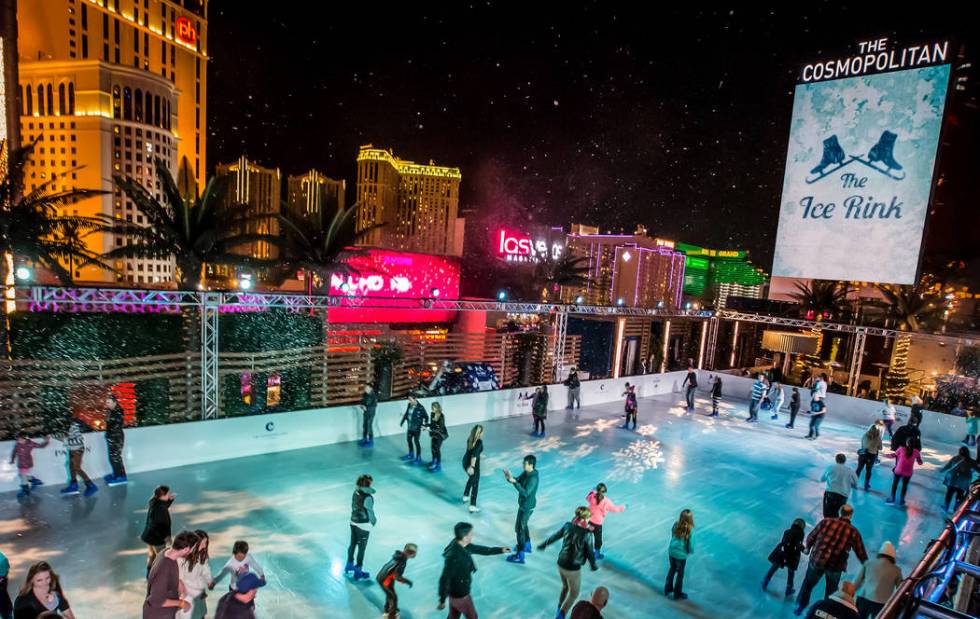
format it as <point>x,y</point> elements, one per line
<point>391,572</point>
<point>24,456</point>
<point>630,406</point>
<point>787,554</point>
<point>599,507</point>
<point>241,563</point>
<point>76,451</point>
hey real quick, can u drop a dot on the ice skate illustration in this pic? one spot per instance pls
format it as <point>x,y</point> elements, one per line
<point>833,159</point>
<point>881,157</point>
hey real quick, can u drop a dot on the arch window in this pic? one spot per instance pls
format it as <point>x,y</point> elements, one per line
<point>127,104</point>
<point>40,100</point>
<point>138,101</point>
<point>50,99</point>
<point>116,103</point>
<point>20,99</point>
<point>62,99</point>
<point>71,98</point>
<point>149,108</point>
<point>158,120</point>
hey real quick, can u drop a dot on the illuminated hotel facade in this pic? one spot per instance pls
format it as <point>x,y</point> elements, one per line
<point>105,88</point>
<point>314,199</point>
<point>416,204</point>
<point>713,275</point>
<point>254,191</point>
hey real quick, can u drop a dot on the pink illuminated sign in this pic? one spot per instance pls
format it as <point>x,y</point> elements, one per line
<point>381,273</point>
<point>514,246</point>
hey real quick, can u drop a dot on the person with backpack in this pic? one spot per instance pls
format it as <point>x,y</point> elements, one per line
<point>574,386</point>
<point>787,554</point>
<point>539,409</point>
<point>576,550</point>
<point>394,571</point>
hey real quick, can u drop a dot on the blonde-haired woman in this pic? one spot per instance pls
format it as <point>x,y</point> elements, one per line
<point>437,433</point>
<point>576,550</point>
<point>471,464</point>
<point>681,547</point>
<point>868,454</point>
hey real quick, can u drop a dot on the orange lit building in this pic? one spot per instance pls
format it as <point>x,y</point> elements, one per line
<point>253,191</point>
<point>314,198</point>
<point>106,87</point>
<point>417,204</point>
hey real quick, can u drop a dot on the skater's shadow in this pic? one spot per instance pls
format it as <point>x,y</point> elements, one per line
<point>435,484</point>
<point>627,574</point>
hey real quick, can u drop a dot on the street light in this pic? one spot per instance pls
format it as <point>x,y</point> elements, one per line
<point>23,273</point>
<point>434,293</point>
<point>502,295</point>
<point>245,282</point>
<point>620,301</point>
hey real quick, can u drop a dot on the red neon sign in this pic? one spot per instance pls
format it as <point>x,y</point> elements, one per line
<point>186,31</point>
<point>510,243</point>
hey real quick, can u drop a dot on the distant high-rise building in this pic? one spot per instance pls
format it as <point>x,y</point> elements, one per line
<point>104,90</point>
<point>417,205</point>
<point>253,191</point>
<point>713,275</point>
<point>314,198</point>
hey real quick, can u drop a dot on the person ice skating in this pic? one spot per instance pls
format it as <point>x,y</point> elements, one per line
<point>787,554</point>
<point>369,406</point>
<point>599,507</point>
<point>471,465</point>
<point>840,479</point>
<point>240,603</point>
<point>972,421</point>
<point>574,387</point>
<point>539,409</point>
<point>876,581</point>
<point>959,475</point>
<point>526,485</point>
<point>391,572</point>
<point>362,521</point>
<point>776,396</point>
<point>437,435</point>
<point>164,590</point>
<point>909,434</point>
<point>23,455</point>
<point>715,395</point>
<point>794,407</point>
<point>195,575</point>
<point>888,416</point>
<point>818,406</point>
<point>75,443</point>
<point>691,380</point>
<point>915,412</point>
<point>41,594</point>
<point>839,605</point>
<point>115,439</point>
<point>592,608</point>
<point>576,550</point>
<point>868,454</point>
<point>906,458</point>
<point>755,398</point>
<point>6,604</point>
<point>240,564</point>
<point>458,569</point>
<point>681,547</point>
<point>417,418</point>
<point>630,406</point>
<point>156,533</point>
<point>829,544</point>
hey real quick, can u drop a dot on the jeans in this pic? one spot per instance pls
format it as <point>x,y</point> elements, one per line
<point>815,421</point>
<point>367,429</point>
<point>461,606</point>
<point>115,448</point>
<point>832,502</point>
<point>391,600</point>
<point>597,535</point>
<point>539,424</point>
<point>75,466</point>
<point>520,528</point>
<point>472,486</point>
<point>358,540</point>
<point>414,445</point>
<point>793,412</point>
<point>675,577</point>
<point>571,584</point>
<point>866,462</point>
<point>790,576</point>
<point>690,396</point>
<point>573,397</point>
<point>437,449</point>
<point>868,609</point>
<point>950,492</point>
<point>754,409</point>
<point>888,426</point>
<point>905,486</point>
<point>630,417</point>
<point>813,576</point>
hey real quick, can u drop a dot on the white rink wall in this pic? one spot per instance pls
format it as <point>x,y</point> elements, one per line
<point>166,446</point>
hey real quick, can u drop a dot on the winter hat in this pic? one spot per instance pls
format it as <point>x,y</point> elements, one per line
<point>248,582</point>
<point>888,550</point>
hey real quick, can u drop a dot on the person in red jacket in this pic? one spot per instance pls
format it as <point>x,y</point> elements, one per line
<point>906,458</point>
<point>600,505</point>
<point>25,462</point>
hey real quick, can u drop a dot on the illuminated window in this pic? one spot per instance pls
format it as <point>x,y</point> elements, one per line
<point>138,96</point>
<point>71,98</point>
<point>40,100</point>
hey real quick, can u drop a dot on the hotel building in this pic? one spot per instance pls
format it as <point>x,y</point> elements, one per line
<point>314,199</point>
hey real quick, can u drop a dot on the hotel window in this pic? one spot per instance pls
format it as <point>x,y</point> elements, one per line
<point>84,16</point>
<point>116,113</point>
<point>127,105</point>
<point>71,98</point>
<point>40,100</point>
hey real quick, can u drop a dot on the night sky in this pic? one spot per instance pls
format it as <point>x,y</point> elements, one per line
<point>600,113</point>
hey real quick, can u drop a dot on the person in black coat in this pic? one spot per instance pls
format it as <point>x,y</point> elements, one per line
<point>787,554</point>
<point>156,533</point>
<point>438,434</point>
<point>576,550</point>
<point>417,419</point>
<point>794,407</point>
<point>902,436</point>
<point>115,440</point>
<point>458,569</point>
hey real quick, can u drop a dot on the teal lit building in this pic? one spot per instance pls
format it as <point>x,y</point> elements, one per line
<point>713,275</point>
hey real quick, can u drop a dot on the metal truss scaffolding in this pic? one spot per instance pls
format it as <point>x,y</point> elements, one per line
<point>210,379</point>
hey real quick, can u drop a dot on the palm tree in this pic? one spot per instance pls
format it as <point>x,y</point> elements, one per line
<point>569,271</point>
<point>819,300</point>
<point>32,230</point>
<point>910,309</point>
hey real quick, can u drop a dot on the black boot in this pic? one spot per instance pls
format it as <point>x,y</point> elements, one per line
<point>833,154</point>
<point>884,151</point>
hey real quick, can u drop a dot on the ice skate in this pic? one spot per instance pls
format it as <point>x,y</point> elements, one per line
<point>517,557</point>
<point>360,574</point>
<point>833,155</point>
<point>527,548</point>
<point>35,482</point>
<point>24,492</point>
<point>118,481</point>
<point>466,498</point>
<point>70,489</point>
<point>408,457</point>
<point>884,152</point>
<point>474,509</point>
<point>90,489</point>
<point>349,568</point>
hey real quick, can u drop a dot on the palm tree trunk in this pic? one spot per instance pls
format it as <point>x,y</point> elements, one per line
<point>4,316</point>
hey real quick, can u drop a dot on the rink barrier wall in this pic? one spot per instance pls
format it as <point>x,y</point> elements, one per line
<point>161,447</point>
<point>936,427</point>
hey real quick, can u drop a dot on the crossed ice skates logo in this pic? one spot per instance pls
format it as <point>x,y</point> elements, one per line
<point>881,158</point>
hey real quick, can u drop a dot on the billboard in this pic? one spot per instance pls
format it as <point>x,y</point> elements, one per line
<point>858,177</point>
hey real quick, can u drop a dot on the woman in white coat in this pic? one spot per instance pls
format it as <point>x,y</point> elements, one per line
<point>776,396</point>
<point>195,574</point>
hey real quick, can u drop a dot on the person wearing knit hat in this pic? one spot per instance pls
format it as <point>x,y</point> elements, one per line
<point>838,606</point>
<point>876,581</point>
<point>240,603</point>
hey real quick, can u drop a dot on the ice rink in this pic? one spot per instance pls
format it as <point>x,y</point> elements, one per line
<point>745,484</point>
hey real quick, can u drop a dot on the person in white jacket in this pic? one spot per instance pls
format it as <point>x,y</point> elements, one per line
<point>195,575</point>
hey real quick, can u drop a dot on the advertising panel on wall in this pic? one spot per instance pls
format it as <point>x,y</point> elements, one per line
<point>860,163</point>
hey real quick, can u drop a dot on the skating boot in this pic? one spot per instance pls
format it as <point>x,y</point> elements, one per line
<point>833,154</point>
<point>884,151</point>
<point>25,491</point>
<point>108,478</point>
<point>437,467</point>
<point>527,548</point>
<point>599,555</point>
<point>71,488</point>
<point>417,461</point>
<point>369,443</point>
<point>408,457</point>
<point>35,482</point>
<point>349,568</point>
<point>360,574</point>
<point>517,557</point>
<point>118,481</point>
<point>90,489</point>
<point>474,509</point>
<point>790,591</point>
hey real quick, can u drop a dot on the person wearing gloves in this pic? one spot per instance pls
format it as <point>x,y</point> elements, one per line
<point>576,549</point>
<point>876,581</point>
<point>599,506</point>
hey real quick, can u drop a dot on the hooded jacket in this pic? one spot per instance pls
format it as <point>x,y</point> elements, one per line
<point>576,545</point>
<point>362,506</point>
<point>458,568</point>
<point>539,405</point>
<point>787,552</point>
<point>599,508</point>
<point>392,570</point>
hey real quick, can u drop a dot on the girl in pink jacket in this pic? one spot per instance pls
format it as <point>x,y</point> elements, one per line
<point>600,505</point>
<point>906,459</point>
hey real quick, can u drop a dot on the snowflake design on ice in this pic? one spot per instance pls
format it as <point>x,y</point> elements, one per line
<point>544,445</point>
<point>572,457</point>
<point>635,459</point>
<point>599,425</point>
<point>647,430</point>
